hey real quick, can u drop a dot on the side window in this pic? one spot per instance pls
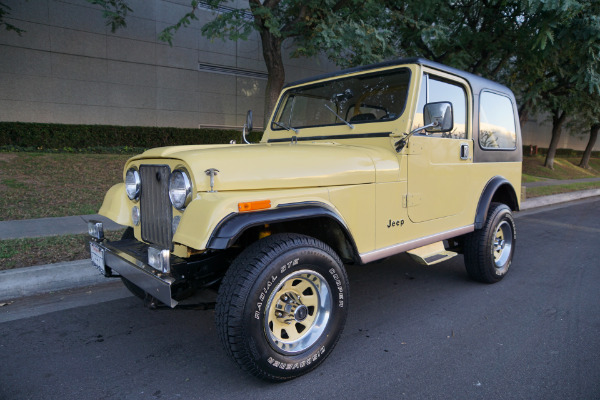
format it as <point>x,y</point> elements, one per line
<point>445,91</point>
<point>434,90</point>
<point>496,122</point>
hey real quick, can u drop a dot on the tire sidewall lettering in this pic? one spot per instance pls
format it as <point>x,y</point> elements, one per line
<point>276,272</point>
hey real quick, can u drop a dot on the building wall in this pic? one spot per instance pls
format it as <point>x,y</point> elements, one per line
<point>69,68</point>
<point>537,131</point>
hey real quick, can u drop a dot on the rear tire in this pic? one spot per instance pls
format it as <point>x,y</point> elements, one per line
<point>282,306</point>
<point>489,251</point>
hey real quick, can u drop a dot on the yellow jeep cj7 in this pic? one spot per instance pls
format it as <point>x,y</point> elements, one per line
<point>354,166</point>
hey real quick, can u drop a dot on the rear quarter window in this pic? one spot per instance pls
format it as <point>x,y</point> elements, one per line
<point>497,129</point>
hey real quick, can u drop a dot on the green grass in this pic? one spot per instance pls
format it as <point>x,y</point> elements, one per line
<point>18,253</point>
<point>564,168</point>
<point>37,185</point>
<point>556,189</point>
<point>13,184</point>
<point>528,178</point>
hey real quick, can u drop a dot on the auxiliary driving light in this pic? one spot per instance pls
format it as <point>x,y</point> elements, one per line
<point>135,215</point>
<point>159,259</point>
<point>96,229</point>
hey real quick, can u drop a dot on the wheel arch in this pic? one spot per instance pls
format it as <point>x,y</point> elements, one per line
<point>500,190</point>
<point>315,219</point>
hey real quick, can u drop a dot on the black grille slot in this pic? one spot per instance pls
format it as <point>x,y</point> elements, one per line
<point>155,206</point>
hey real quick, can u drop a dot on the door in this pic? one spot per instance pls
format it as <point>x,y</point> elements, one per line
<point>439,163</point>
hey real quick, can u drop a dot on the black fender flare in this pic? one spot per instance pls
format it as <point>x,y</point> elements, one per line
<point>486,198</point>
<point>230,228</point>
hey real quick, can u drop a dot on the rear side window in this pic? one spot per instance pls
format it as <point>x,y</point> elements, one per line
<point>496,122</point>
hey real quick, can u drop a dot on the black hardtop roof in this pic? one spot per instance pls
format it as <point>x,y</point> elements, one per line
<point>477,83</point>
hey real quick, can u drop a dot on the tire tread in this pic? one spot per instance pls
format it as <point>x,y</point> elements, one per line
<point>235,290</point>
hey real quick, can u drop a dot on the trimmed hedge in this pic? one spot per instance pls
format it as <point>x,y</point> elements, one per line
<point>15,136</point>
<point>559,152</point>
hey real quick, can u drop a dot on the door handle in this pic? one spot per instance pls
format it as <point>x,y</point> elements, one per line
<point>464,151</point>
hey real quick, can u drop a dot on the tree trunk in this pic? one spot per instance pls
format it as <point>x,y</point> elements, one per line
<point>523,115</point>
<point>585,160</point>
<point>558,119</point>
<point>272,54</point>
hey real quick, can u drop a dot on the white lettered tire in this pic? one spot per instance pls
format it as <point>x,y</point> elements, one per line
<point>282,306</point>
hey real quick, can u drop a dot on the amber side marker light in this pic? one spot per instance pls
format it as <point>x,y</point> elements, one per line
<point>254,205</point>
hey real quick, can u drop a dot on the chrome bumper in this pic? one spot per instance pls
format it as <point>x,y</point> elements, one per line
<point>153,282</point>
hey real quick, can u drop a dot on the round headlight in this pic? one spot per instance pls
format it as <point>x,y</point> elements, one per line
<point>133,183</point>
<point>180,189</point>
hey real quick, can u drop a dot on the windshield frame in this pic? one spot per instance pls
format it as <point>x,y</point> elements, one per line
<point>310,85</point>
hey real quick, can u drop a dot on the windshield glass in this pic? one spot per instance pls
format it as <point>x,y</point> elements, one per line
<point>359,99</point>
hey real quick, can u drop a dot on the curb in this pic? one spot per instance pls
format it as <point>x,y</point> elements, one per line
<point>558,198</point>
<point>29,281</point>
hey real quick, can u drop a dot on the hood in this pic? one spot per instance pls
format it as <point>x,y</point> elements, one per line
<point>271,166</point>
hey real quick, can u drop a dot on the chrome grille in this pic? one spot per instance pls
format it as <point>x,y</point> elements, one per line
<point>155,206</point>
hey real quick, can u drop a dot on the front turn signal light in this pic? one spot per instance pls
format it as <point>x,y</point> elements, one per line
<point>254,205</point>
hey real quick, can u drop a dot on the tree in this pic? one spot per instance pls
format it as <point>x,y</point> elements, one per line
<point>570,73</point>
<point>334,27</point>
<point>587,119</point>
<point>482,37</point>
<point>4,12</point>
<point>475,36</point>
<point>330,26</point>
<point>312,26</point>
<point>585,159</point>
<point>546,51</point>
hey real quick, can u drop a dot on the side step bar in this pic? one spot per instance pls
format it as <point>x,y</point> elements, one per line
<point>431,254</point>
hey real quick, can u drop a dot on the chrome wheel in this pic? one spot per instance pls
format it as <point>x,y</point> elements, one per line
<point>489,251</point>
<point>297,312</point>
<point>502,244</point>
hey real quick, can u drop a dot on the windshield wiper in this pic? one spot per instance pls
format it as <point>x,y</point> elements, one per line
<point>287,128</point>
<point>337,115</point>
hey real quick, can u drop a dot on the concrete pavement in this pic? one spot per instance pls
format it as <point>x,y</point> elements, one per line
<point>21,282</point>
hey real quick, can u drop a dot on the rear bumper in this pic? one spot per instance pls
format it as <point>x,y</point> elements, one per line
<point>125,258</point>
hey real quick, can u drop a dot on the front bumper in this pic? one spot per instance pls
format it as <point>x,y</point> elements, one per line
<point>129,259</point>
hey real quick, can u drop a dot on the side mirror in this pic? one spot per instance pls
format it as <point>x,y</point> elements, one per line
<point>247,126</point>
<point>249,121</point>
<point>439,115</point>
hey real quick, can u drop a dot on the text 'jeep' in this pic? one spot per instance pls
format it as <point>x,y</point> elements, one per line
<point>354,166</point>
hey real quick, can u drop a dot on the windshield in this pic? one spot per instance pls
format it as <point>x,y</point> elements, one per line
<point>359,99</point>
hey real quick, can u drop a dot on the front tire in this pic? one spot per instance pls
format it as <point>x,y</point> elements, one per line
<point>489,251</point>
<point>282,306</point>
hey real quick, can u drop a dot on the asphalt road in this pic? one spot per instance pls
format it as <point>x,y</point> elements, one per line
<point>413,332</point>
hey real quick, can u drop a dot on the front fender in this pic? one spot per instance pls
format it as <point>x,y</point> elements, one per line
<point>232,226</point>
<point>206,213</point>
<point>116,205</point>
